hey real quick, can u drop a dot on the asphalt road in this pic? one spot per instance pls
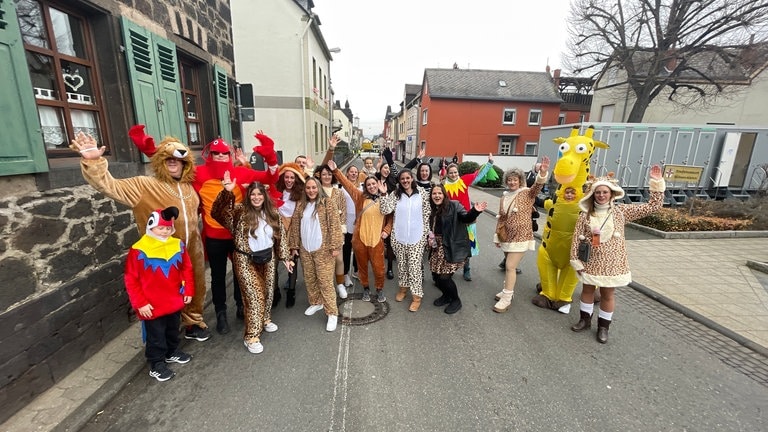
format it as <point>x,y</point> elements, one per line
<point>473,371</point>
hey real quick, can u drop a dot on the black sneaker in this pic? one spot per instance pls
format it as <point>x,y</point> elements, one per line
<point>197,333</point>
<point>161,372</point>
<point>178,357</point>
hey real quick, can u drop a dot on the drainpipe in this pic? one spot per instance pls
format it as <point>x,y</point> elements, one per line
<point>304,85</point>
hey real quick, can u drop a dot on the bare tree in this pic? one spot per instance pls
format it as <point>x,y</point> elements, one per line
<point>683,47</point>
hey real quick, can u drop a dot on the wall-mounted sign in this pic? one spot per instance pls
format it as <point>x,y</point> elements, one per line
<point>682,173</point>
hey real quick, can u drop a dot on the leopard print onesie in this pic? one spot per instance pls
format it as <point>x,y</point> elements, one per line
<point>256,280</point>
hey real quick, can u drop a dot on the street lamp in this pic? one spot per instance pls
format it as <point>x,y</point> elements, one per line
<point>334,50</point>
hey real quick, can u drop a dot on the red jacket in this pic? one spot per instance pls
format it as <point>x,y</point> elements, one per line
<point>160,274</point>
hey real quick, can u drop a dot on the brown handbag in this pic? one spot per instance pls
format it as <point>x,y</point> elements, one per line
<point>501,229</point>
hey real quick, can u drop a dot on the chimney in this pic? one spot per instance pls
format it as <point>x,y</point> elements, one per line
<point>455,65</point>
<point>547,69</point>
<point>556,77</point>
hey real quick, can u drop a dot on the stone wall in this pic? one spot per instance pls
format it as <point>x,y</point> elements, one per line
<point>61,290</point>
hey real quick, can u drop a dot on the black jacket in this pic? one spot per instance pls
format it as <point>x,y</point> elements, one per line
<point>454,230</point>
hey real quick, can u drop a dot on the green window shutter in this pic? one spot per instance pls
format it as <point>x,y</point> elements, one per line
<point>155,83</point>
<point>22,150</point>
<point>222,103</point>
<point>170,88</point>
<point>140,57</point>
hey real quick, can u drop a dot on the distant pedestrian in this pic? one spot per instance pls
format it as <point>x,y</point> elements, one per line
<point>601,224</point>
<point>449,243</point>
<point>159,280</point>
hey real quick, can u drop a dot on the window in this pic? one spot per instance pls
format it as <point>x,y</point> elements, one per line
<point>530,148</point>
<point>64,79</point>
<point>509,116</point>
<point>424,117</point>
<point>507,145</point>
<point>314,76</point>
<point>190,94</point>
<point>561,119</point>
<point>534,117</point>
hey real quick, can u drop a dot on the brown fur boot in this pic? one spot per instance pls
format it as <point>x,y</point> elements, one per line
<point>400,296</point>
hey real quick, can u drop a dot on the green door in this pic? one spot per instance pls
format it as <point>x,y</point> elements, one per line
<point>22,150</point>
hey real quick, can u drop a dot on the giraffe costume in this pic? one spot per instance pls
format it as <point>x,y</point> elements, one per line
<point>558,278</point>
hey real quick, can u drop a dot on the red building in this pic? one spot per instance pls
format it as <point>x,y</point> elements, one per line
<point>486,111</point>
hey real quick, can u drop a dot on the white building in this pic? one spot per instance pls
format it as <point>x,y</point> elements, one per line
<point>280,51</point>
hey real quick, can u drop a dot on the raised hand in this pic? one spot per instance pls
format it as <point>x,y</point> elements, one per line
<point>240,157</point>
<point>228,183</point>
<point>382,187</point>
<point>655,172</point>
<point>480,206</point>
<point>545,164</point>
<point>333,141</point>
<point>310,162</point>
<point>332,165</point>
<point>422,153</point>
<point>87,147</point>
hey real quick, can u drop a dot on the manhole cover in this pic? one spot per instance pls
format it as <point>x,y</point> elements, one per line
<point>354,311</point>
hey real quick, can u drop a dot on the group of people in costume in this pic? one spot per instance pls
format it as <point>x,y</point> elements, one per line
<point>295,213</point>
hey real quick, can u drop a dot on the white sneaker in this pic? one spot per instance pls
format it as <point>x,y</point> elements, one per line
<point>331,326</point>
<point>254,347</point>
<point>312,309</point>
<point>270,328</point>
<point>565,309</point>
<point>347,281</point>
<point>342,291</point>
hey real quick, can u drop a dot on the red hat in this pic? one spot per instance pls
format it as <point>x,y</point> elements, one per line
<point>218,145</point>
<point>162,217</point>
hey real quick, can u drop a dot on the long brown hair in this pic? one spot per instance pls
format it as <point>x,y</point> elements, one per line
<point>267,211</point>
<point>321,196</point>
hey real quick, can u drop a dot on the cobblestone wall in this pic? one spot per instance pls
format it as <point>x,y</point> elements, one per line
<point>61,291</point>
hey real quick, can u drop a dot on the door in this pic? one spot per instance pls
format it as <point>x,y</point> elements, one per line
<point>741,160</point>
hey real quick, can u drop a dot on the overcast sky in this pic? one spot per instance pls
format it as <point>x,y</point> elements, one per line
<point>387,44</point>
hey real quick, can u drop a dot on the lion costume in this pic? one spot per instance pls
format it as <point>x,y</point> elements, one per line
<point>144,194</point>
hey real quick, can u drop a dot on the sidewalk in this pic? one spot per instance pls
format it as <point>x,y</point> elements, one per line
<point>707,279</point>
<point>719,282</point>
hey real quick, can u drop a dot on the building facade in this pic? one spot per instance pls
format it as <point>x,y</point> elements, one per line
<point>485,111</point>
<point>286,60</point>
<point>97,67</point>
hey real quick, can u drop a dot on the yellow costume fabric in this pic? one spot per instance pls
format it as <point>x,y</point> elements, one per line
<point>558,278</point>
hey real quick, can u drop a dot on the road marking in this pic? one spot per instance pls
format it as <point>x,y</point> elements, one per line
<point>342,373</point>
